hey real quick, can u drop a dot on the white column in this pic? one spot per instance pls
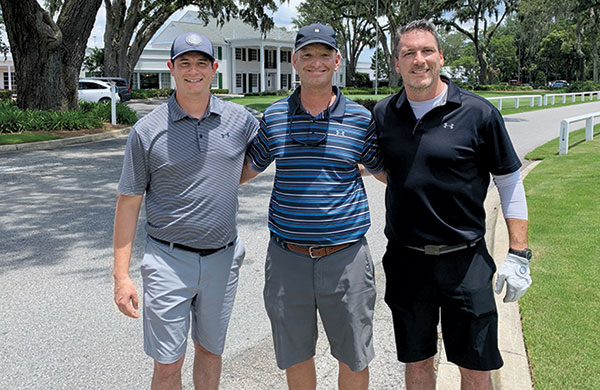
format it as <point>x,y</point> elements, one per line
<point>278,60</point>
<point>262,68</point>
<point>233,76</point>
<point>293,72</point>
<point>9,78</point>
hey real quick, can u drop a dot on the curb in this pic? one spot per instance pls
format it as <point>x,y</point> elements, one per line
<point>58,143</point>
<point>515,373</point>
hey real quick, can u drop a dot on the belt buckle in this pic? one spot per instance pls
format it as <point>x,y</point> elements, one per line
<point>310,253</point>
<point>433,250</point>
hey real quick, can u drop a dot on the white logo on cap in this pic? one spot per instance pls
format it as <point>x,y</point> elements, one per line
<point>193,39</point>
<point>317,30</point>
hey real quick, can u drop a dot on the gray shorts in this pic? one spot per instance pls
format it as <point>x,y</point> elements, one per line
<point>341,287</point>
<point>178,283</point>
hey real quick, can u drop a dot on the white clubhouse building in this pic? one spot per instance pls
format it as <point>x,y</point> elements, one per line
<point>248,61</point>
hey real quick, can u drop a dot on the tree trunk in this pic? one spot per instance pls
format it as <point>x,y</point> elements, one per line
<point>48,55</point>
<point>580,54</point>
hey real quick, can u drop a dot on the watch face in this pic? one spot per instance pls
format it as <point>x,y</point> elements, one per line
<point>528,253</point>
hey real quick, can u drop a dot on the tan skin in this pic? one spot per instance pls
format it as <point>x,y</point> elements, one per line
<point>419,61</point>
<point>193,73</point>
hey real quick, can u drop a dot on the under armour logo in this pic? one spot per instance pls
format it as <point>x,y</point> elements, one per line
<point>450,125</point>
<point>340,132</point>
<point>223,135</point>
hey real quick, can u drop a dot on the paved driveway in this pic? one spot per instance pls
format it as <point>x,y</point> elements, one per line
<point>59,328</point>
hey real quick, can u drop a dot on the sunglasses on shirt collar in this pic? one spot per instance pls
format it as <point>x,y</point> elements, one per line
<point>308,131</point>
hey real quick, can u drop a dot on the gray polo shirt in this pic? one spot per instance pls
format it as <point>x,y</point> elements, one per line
<point>189,169</point>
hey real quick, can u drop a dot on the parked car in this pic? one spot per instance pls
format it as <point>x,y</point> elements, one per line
<point>559,84</point>
<point>94,91</point>
<point>123,87</point>
<point>514,82</point>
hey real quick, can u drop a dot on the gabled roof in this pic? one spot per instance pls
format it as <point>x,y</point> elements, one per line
<point>231,31</point>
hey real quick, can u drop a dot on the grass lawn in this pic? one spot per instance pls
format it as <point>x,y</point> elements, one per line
<point>9,139</point>
<point>257,102</point>
<point>561,310</point>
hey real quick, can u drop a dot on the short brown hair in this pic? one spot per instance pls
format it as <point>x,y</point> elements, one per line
<point>417,25</point>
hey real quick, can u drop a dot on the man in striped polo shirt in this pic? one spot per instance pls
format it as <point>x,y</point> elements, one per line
<point>186,157</point>
<point>318,258</point>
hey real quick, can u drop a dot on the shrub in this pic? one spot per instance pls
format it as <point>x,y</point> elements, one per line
<point>370,91</point>
<point>125,115</point>
<point>369,104</point>
<point>502,87</point>
<point>87,116</point>
<point>583,86</point>
<point>6,94</point>
<point>219,91</point>
<point>150,93</point>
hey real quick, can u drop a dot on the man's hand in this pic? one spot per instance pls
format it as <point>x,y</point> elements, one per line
<point>125,293</point>
<point>515,271</point>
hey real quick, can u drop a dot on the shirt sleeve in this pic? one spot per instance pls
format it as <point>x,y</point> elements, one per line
<point>499,153</point>
<point>259,153</point>
<point>134,175</point>
<point>371,156</point>
<point>251,128</point>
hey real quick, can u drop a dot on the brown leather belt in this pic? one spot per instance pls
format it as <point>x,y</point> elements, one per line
<point>315,252</point>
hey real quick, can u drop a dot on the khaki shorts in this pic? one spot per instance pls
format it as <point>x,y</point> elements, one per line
<point>179,285</point>
<point>341,287</point>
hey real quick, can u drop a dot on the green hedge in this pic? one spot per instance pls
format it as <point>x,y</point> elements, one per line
<point>88,116</point>
<point>6,94</point>
<point>150,93</point>
<point>279,92</point>
<point>164,92</point>
<point>369,104</point>
<point>583,86</point>
<point>369,91</point>
<point>502,87</point>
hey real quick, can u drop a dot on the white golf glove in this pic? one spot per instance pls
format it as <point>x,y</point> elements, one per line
<point>515,272</point>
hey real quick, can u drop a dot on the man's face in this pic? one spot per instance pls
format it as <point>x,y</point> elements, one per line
<point>419,61</point>
<point>193,72</point>
<point>315,64</point>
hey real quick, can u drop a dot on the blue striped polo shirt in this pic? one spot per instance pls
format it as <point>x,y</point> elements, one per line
<point>318,196</point>
<point>189,170</point>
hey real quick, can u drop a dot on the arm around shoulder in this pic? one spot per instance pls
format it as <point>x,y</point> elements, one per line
<point>248,173</point>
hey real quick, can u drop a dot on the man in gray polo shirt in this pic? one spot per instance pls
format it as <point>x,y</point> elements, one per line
<point>186,157</point>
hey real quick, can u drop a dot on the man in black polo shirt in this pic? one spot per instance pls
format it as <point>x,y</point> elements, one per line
<point>440,143</point>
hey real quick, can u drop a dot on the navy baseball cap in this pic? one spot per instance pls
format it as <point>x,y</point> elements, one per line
<point>315,33</point>
<point>191,41</point>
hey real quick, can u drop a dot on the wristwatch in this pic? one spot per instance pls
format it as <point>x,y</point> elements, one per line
<point>525,253</point>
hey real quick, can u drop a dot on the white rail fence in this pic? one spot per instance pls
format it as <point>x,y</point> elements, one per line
<point>573,96</point>
<point>531,98</point>
<point>546,99</point>
<point>563,143</point>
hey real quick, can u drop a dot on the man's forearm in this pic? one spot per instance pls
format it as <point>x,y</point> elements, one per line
<point>517,233</point>
<point>126,219</point>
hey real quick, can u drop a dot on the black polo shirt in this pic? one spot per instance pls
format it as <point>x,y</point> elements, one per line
<point>439,166</point>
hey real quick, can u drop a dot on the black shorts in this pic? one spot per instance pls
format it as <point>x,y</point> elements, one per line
<point>460,283</point>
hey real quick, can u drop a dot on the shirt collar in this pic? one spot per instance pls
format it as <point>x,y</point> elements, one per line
<point>452,97</point>
<point>215,106</point>
<point>337,109</point>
